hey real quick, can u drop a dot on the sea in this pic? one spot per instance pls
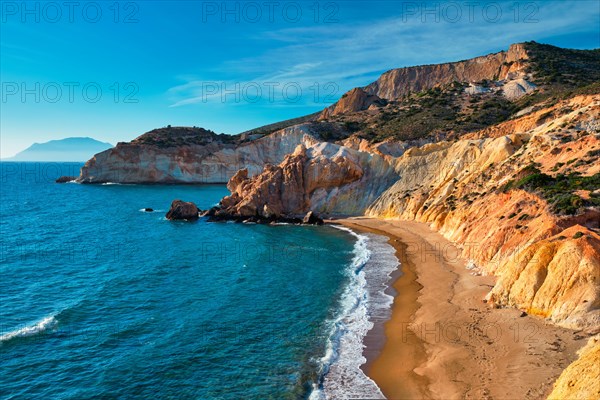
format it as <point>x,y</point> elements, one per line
<point>101,299</point>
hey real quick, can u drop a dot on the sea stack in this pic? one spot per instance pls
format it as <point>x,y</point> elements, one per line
<point>182,210</point>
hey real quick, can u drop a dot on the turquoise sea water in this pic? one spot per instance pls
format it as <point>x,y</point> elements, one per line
<point>102,300</point>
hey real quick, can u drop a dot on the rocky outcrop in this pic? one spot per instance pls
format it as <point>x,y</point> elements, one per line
<point>182,210</point>
<point>517,88</point>
<point>324,178</point>
<point>355,100</point>
<point>211,160</point>
<point>579,381</point>
<point>581,112</point>
<point>66,179</point>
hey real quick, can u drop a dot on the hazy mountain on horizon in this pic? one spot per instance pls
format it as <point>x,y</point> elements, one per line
<point>68,149</point>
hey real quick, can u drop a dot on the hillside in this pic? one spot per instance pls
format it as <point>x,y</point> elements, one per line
<point>445,101</point>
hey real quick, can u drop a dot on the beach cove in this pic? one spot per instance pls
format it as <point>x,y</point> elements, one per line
<point>443,341</point>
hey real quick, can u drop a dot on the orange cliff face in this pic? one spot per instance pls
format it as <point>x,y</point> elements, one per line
<point>580,379</point>
<point>460,189</point>
<point>556,278</point>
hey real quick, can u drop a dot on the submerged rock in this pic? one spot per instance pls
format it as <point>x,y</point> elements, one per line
<point>182,210</point>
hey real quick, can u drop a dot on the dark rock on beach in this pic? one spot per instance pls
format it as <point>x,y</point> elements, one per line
<point>182,210</point>
<point>312,219</point>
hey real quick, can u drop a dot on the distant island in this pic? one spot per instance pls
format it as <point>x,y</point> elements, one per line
<point>68,149</point>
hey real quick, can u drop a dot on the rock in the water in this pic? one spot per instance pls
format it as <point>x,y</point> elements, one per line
<point>148,209</point>
<point>65,179</point>
<point>182,210</point>
<point>312,219</point>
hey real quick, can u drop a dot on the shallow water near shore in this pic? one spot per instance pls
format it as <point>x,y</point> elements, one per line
<point>99,298</point>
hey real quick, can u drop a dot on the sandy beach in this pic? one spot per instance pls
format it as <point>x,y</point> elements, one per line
<point>443,341</point>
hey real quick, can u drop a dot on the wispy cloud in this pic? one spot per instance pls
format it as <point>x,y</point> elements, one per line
<point>354,54</point>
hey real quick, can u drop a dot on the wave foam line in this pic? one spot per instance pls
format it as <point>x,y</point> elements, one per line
<point>340,375</point>
<point>30,330</point>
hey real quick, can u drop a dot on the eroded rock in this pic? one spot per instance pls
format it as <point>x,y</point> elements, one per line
<point>312,219</point>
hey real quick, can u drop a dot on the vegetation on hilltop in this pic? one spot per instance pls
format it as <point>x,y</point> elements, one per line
<point>182,136</point>
<point>174,136</point>
<point>553,65</point>
<point>441,112</point>
<point>559,191</point>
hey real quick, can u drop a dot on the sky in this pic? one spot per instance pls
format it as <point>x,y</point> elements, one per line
<point>114,70</point>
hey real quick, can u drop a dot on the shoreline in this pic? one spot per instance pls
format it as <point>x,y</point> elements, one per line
<point>404,288</point>
<point>442,341</point>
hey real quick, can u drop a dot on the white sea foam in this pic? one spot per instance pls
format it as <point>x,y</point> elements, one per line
<point>364,302</point>
<point>30,330</point>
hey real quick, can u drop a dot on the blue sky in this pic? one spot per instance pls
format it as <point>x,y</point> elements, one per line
<point>114,72</point>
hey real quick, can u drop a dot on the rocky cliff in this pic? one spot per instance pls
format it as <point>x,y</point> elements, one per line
<point>511,75</point>
<point>505,65</point>
<point>508,67</point>
<point>196,156</point>
<point>524,206</point>
<point>404,108</point>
